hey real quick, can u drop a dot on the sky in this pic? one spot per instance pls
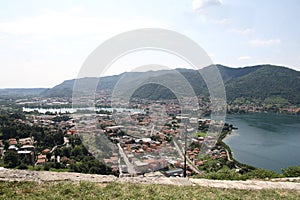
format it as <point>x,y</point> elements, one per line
<point>43,43</point>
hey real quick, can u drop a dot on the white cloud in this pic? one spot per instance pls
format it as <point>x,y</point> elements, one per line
<point>223,21</point>
<point>199,5</point>
<point>76,9</point>
<point>246,31</point>
<point>270,42</point>
<point>241,58</point>
<point>67,24</point>
<point>211,55</point>
<point>3,37</point>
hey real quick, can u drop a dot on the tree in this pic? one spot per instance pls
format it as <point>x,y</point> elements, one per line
<point>74,140</point>
<point>94,170</point>
<point>48,156</point>
<point>224,174</point>
<point>293,171</point>
<point>11,159</point>
<point>66,152</point>
<point>23,166</point>
<point>261,174</point>
<point>79,150</point>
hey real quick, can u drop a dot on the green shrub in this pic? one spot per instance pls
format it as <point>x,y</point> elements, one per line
<point>292,171</point>
<point>261,174</point>
<point>46,167</point>
<point>22,166</point>
<point>11,159</point>
<point>224,174</point>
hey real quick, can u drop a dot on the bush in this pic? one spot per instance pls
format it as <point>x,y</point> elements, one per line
<point>224,174</point>
<point>94,170</point>
<point>49,165</point>
<point>11,159</point>
<point>46,167</point>
<point>293,171</point>
<point>37,168</point>
<point>23,166</point>
<point>261,174</point>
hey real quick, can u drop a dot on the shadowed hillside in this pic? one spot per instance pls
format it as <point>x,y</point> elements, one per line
<point>261,82</point>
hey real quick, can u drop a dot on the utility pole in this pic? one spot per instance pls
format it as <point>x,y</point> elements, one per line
<point>185,143</point>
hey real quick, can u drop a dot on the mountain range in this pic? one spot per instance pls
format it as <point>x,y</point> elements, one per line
<point>265,83</point>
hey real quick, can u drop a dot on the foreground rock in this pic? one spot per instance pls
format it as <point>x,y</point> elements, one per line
<point>43,176</point>
<point>39,176</point>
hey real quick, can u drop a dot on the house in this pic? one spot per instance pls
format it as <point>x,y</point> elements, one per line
<point>113,128</point>
<point>45,151</point>
<point>13,141</point>
<point>41,160</point>
<point>27,154</point>
<point>141,166</point>
<point>72,132</point>
<point>13,148</point>
<point>27,148</point>
<point>174,172</point>
<point>26,141</point>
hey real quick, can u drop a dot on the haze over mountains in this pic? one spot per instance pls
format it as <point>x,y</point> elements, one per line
<point>262,82</point>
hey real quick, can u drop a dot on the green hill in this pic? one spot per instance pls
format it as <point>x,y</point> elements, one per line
<point>261,82</point>
<point>266,83</point>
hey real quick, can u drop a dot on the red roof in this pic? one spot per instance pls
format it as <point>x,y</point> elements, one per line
<point>12,141</point>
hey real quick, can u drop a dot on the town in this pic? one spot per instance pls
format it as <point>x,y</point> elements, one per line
<point>140,140</point>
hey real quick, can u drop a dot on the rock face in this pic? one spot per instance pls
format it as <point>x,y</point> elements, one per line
<point>41,176</point>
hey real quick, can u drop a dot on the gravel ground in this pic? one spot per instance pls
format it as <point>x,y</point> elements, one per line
<point>42,176</point>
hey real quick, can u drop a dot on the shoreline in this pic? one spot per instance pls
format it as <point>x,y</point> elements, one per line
<point>231,153</point>
<point>232,134</point>
<point>259,133</point>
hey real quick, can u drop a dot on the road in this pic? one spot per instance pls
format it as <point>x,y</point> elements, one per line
<point>120,168</point>
<point>228,157</point>
<point>130,167</point>
<point>188,161</point>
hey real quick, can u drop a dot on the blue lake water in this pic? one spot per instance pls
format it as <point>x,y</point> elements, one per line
<point>73,110</point>
<point>270,141</point>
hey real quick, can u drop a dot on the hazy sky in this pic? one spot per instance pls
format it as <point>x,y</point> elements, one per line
<point>43,43</point>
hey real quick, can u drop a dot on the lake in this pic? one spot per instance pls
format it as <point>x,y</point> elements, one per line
<point>270,141</point>
<point>73,110</point>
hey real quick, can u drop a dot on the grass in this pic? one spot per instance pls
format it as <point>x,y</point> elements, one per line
<point>84,190</point>
<point>201,134</point>
<point>41,168</point>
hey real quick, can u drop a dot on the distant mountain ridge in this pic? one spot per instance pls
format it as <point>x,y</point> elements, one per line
<point>266,82</point>
<point>262,82</point>
<point>19,92</point>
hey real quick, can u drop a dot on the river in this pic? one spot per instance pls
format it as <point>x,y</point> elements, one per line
<point>270,141</point>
